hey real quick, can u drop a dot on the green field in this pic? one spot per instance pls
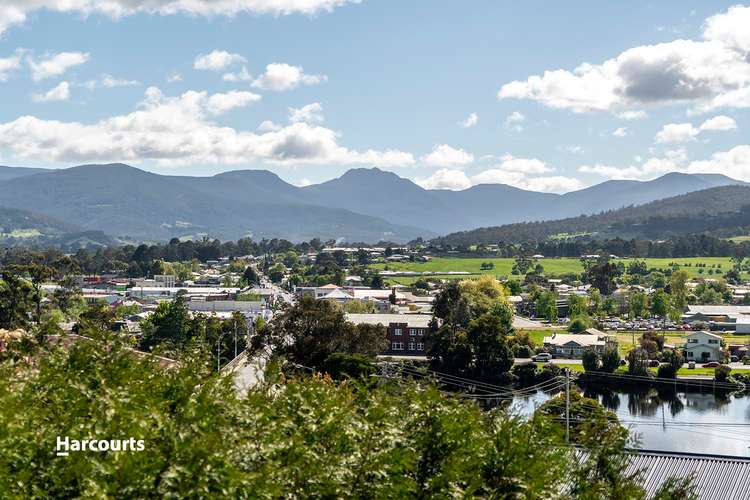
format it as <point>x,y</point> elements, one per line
<point>552,266</point>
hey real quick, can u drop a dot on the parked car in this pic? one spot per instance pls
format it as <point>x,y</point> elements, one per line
<point>734,359</point>
<point>623,362</point>
<point>691,365</point>
<point>542,357</point>
<point>712,364</point>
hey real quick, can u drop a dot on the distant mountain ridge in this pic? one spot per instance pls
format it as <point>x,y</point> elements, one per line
<point>366,205</point>
<point>723,211</point>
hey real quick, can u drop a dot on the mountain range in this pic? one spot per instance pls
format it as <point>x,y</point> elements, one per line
<point>366,205</point>
<point>720,211</point>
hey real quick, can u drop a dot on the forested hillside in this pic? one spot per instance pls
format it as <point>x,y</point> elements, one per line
<point>723,211</point>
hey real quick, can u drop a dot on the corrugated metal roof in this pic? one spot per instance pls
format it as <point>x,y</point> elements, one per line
<point>716,477</point>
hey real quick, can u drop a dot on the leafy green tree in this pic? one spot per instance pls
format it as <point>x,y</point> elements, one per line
<point>638,362</point>
<point>578,305</point>
<point>721,373</point>
<point>660,304</point>
<point>310,437</point>
<point>638,302</point>
<point>610,360</point>
<point>601,275</point>
<point>342,366</point>
<point>492,355</point>
<point>169,326</point>
<point>311,330</point>
<point>678,290</point>
<point>590,361</point>
<point>579,324</point>
<point>546,306</point>
<point>596,303</point>
<point>671,362</point>
<point>250,277</point>
<point>16,300</point>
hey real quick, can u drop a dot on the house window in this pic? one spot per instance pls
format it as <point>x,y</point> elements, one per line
<point>713,341</point>
<point>692,341</point>
<point>411,346</point>
<point>413,332</point>
<point>690,354</point>
<point>420,346</point>
<point>397,331</point>
<point>397,346</point>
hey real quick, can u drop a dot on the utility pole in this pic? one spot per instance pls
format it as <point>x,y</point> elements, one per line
<point>567,405</point>
<point>235,337</point>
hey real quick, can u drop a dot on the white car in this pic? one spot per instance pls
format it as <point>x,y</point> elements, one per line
<point>542,357</point>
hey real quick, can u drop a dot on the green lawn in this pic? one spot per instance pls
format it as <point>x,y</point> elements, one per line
<point>552,266</point>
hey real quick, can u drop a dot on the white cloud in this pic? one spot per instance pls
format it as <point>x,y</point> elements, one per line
<point>269,126</point>
<point>56,65</point>
<point>525,173</point>
<point>16,11</point>
<point>678,133</point>
<point>576,150</point>
<point>513,121</point>
<point>470,121</point>
<point>719,124</point>
<point>632,115</point>
<point>217,60</point>
<point>708,74</point>
<point>444,178</point>
<point>110,82</point>
<point>524,165</point>
<point>221,103</point>
<point>443,155</point>
<point>312,113</point>
<point>9,64</point>
<point>734,163</point>
<point>242,75</point>
<point>179,131</point>
<point>282,76</point>
<point>621,132</point>
<point>548,184</point>
<point>59,93</point>
<point>174,77</point>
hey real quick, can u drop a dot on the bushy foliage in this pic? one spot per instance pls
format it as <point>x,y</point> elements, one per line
<point>671,362</point>
<point>721,373</point>
<point>610,360</point>
<point>311,330</point>
<point>590,361</point>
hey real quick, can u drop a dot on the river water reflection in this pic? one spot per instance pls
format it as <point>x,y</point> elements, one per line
<point>669,420</point>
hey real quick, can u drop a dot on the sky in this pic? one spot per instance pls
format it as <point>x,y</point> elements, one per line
<point>546,96</point>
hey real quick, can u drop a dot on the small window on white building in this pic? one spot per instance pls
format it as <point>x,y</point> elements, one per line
<point>397,331</point>
<point>413,332</point>
<point>397,346</point>
<point>411,346</point>
<point>420,346</point>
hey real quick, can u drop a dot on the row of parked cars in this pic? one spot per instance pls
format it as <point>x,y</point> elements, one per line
<point>643,325</point>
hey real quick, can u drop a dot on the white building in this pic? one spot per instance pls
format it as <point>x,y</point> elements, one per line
<point>568,345</point>
<point>702,347</point>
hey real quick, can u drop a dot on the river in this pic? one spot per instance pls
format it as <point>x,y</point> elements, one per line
<point>668,420</point>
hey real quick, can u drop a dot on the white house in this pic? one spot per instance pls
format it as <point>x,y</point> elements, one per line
<point>574,345</point>
<point>702,347</point>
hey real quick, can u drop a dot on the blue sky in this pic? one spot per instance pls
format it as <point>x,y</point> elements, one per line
<point>536,94</point>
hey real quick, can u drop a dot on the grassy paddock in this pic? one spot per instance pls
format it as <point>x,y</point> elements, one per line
<point>552,266</point>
